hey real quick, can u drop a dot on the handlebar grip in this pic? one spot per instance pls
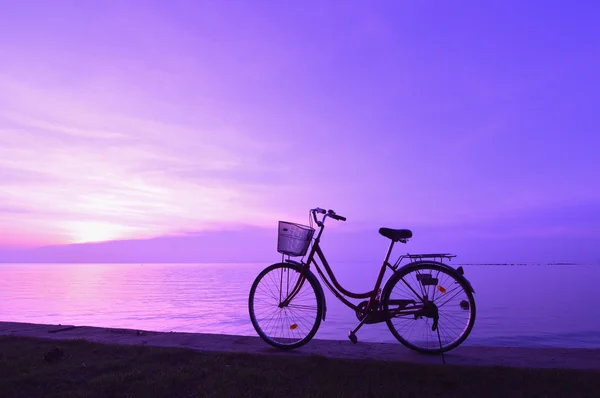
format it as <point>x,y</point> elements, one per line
<point>319,210</point>
<point>339,218</point>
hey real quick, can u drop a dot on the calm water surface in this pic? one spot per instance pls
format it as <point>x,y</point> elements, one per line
<point>516,305</point>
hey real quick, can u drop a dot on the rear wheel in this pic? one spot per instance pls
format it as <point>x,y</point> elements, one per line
<point>282,323</point>
<point>434,309</point>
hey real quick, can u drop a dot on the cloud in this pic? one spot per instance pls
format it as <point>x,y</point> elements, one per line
<point>106,129</point>
<point>11,209</point>
<point>142,175</point>
<point>246,244</point>
<point>564,233</point>
<point>50,128</point>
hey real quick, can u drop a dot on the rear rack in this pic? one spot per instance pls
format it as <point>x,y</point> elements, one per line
<point>435,256</point>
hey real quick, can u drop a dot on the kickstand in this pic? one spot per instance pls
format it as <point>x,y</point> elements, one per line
<point>440,341</point>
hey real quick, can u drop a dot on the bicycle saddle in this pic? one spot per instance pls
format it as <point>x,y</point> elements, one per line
<point>396,234</point>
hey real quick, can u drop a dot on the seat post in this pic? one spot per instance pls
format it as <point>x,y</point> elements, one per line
<point>383,266</point>
<point>389,252</point>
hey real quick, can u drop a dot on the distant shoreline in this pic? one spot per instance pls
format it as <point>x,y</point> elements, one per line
<point>524,264</point>
<point>273,261</point>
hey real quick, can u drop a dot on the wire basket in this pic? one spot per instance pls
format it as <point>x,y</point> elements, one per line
<point>294,239</point>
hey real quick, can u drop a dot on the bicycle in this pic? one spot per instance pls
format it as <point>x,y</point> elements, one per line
<point>297,306</point>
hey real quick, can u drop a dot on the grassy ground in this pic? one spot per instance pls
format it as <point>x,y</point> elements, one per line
<point>36,368</point>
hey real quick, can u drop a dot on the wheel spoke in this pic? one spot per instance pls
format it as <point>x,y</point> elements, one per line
<point>285,326</point>
<point>445,295</point>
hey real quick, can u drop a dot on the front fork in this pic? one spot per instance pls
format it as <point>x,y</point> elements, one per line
<point>285,302</point>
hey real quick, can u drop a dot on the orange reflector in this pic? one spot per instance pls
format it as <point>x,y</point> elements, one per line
<point>293,326</point>
<point>441,289</point>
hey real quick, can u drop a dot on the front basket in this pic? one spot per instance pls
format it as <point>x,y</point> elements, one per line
<point>294,239</point>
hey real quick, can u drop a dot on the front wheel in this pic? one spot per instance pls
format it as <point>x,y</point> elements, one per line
<point>285,306</point>
<point>432,309</point>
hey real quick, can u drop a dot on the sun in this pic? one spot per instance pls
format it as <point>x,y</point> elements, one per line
<point>87,232</point>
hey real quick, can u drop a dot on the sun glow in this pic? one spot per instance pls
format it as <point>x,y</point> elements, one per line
<point>86,232</point>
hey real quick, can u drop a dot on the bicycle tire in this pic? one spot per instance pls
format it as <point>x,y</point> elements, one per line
<point>450,272</point>
<point>316,293</point>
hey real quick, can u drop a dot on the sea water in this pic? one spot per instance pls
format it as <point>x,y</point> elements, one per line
<point>521,305</point>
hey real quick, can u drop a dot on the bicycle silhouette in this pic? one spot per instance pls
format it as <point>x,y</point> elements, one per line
<point>421,302</point>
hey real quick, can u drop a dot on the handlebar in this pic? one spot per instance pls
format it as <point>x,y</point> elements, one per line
<point>336,217</point>
<point>329,213</point>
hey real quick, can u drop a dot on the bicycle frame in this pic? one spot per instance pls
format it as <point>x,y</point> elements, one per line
<point>332,283</point>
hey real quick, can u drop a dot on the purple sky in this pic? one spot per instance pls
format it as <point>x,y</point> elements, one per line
<point>476,126</point>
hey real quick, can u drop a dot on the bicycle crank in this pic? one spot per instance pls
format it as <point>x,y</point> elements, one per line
<point>374,316</point>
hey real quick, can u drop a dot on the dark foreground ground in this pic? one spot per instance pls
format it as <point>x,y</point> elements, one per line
<point>36,368</point>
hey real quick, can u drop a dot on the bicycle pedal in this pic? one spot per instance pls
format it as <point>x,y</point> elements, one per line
<point>352,337</point>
